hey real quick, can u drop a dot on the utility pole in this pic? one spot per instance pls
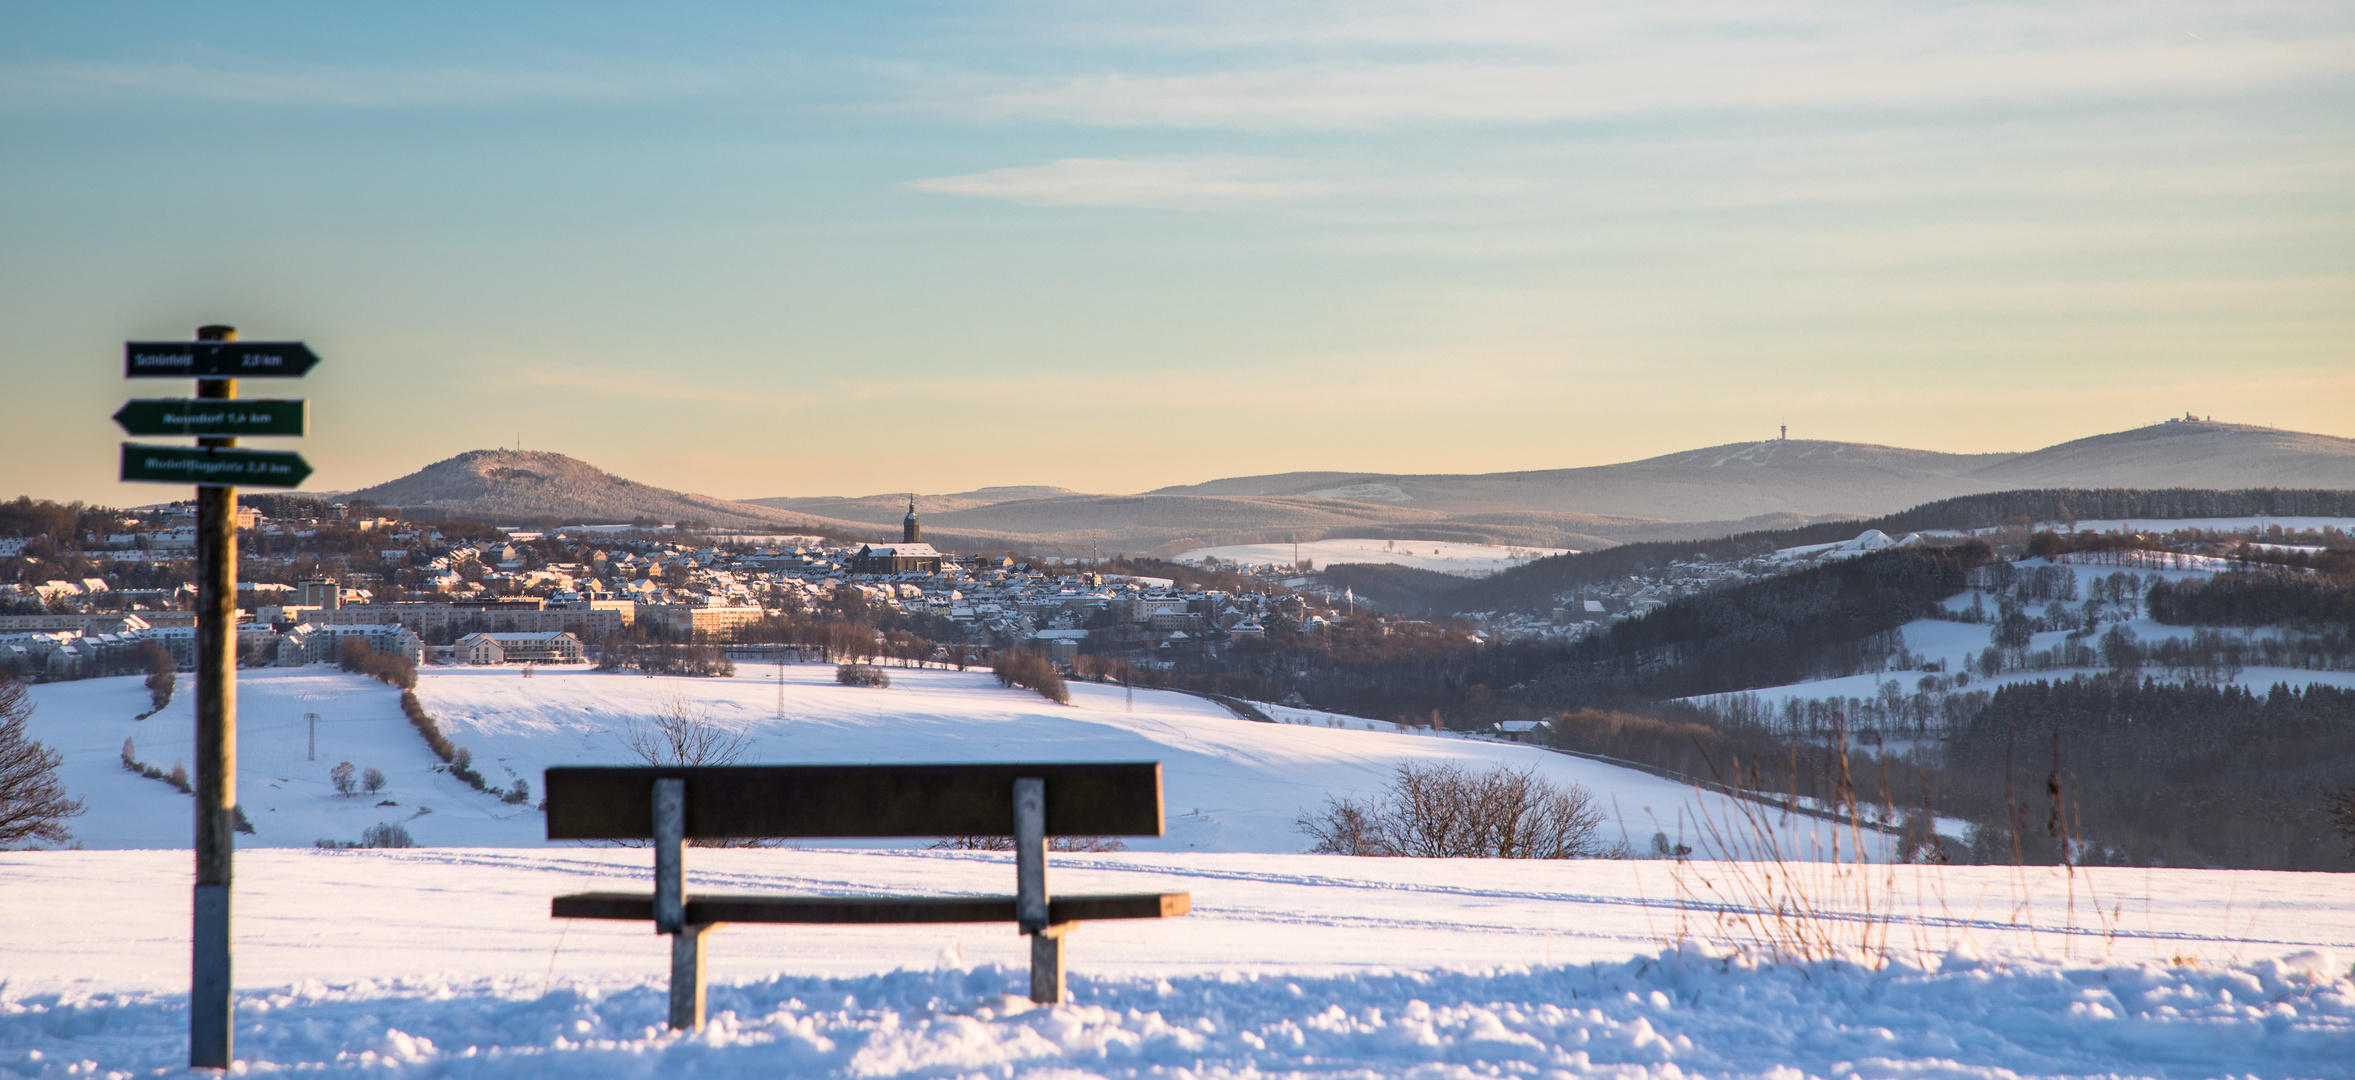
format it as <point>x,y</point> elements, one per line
<point>313,754</point>
<point>210,1019</point>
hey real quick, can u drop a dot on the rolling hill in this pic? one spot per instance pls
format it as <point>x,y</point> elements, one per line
<point>506,486</point>
<point>1692,495</point>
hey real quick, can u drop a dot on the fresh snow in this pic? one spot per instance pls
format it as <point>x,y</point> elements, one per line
<point>1231,785</point>
<point>444,963</point>
<point>1462,560</point>
<point>442,960</point>
<point>1865,542</point>
<point>2223,524</point>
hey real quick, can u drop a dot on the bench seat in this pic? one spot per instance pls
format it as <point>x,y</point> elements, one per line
<point>755,908</point>
<point>673,805</point>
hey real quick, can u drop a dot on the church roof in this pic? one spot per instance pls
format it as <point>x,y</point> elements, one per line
<point>920,551</point>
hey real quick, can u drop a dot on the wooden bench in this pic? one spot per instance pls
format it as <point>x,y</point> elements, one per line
<point>672,805</point>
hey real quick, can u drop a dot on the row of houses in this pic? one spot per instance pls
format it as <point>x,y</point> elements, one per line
<point>71,654</point>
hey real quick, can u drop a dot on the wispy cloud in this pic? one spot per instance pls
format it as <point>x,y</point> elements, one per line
<point>1343,68</point>
<point>1216,183</point>
<point>274,81</point>
<point>1157,183</point>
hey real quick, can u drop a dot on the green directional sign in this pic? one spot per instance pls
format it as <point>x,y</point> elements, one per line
<point>217,359</point>
<point>214,416</point>
<point>214,466</point>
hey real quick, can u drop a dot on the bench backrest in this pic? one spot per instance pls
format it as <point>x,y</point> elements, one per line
<point>734,802</point>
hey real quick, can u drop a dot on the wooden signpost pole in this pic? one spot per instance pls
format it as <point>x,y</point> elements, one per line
<point>210,1015</point>
<point>216,359</point>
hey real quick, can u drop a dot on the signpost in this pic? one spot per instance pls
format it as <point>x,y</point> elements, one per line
<point>216,360</point>
<point>180,416</point>
<point>208,466</point>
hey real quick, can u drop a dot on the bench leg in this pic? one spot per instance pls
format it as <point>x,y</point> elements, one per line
<point>1046,964</point>
<point>687,976</point>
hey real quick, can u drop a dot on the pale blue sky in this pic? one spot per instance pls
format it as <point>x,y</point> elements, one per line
<point>857,248</point>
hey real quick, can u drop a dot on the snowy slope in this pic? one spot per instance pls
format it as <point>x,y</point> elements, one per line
<point>1954,644</point>
<point>1462,560</point>
<point>1230,785</point>
<point>444,963</point>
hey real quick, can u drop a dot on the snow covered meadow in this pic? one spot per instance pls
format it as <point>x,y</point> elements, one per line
<point>1230,785</point>
<point>442,960</point>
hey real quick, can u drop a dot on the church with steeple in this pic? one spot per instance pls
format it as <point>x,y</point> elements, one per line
<point>910,556</point>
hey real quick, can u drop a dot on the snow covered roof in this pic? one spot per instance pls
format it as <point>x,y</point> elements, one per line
<point>914,551</point>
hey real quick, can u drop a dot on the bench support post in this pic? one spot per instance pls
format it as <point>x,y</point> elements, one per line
<point>1030,854</point>
<point>1046,963</point>
<point>670,870</point>
<point>1030,890</point>
<point>687,976</point>
<point>670,903</point>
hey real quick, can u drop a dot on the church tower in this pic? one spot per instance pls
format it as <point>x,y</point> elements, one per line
<point>911,531</point>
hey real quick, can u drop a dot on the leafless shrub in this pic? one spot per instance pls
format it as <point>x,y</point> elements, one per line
<point>1021,667</point>
<point>682,733</point>
<point>1440,811</point>
<point>158,663</point>
<point>375,836</point>
<point>393,836</point>
<point>861,675</point>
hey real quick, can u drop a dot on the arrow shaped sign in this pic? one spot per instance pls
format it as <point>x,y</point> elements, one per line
<point>214,416</point>
<point>217,359</point>
<point>208,466</point>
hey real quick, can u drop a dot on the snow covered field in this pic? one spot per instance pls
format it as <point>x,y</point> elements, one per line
<point>444,963</point>
<point>1231,785</point>
<point>1462,560</point>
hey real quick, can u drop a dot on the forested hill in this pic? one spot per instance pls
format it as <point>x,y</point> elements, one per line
<point>1823,621</point>
<point>1534,586</point>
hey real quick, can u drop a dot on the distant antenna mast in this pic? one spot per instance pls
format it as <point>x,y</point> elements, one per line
<point>1786,433</point>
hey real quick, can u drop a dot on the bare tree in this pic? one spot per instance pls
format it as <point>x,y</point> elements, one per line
<point>1436,811</point>
<point>682,733</point>
<point>33,801</point>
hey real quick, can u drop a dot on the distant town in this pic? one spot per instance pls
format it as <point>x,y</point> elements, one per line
<point>467,593</point>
